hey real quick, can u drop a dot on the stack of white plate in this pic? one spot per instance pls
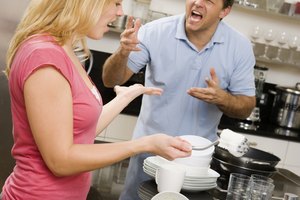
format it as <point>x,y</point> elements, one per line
<point>196,179</point>
<point>145,194</point>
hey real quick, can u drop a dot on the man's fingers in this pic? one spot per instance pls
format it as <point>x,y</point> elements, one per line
<point>214,76</point>
<point>127,32</point>
<point>137,25</point>
<point>130,22</point>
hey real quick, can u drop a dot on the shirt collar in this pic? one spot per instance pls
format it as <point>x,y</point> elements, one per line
<point>217,38</point>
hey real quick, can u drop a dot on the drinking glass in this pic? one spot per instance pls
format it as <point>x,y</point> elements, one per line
<point>241,2</point>
<point>274,5</point>
<point>255,34</point>
<point>269,36</point>
<point>258,177</point>
<point>258,47</point>
<point>238,187</point>
<point>293,44</point>
<point>281,40</point>
<point>260,190</point>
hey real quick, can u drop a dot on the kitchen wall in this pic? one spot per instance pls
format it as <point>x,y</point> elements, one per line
<point>244,21</point>
<point>10,13</point>
<point>241,19</point>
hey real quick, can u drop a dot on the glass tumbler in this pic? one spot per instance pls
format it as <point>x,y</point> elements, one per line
<point>238,187</point>
<point>258,177</point>
<point>274,5</point>
<point>260,190</point>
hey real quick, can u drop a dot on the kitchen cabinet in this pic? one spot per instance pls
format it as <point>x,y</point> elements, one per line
<point>120,129</point>
<point>292,161</point>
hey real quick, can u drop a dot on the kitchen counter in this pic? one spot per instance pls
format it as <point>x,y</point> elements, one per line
<point>284,181</point>
<point>263,129</point>
<point>108,183</point>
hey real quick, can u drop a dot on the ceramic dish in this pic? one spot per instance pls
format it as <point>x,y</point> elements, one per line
<point>169,196</point>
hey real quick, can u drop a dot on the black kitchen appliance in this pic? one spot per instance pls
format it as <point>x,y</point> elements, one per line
<point>286,107</point>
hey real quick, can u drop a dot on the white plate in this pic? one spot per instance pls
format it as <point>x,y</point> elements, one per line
<point>210,175</point>
<point>156,161</point>
<point>194,182</point>
<point>199,181</point>
<point>199,184</point>
<point>150,167</point>
<point>149,172</point>
<point>200,188</point>
<point>153,162</point>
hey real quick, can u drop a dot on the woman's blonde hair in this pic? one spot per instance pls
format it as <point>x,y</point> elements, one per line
<point>63,19</point>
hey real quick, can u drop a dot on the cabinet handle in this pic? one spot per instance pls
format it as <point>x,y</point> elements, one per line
<point>252,144</point>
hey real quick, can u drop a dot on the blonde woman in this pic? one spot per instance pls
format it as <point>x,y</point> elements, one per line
<point>56,109</point>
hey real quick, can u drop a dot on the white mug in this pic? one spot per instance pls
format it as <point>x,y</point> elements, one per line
<point>169,177</point>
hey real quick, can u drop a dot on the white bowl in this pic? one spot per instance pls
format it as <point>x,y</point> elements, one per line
<point>191,171</point>
<point>199,158</point>
<point>195,140</point>
<point>194,161</point>
<point>169,196</point>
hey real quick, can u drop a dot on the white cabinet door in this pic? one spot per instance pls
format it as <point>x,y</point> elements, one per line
<point>121,128</point>
<point>273,146</point>
<point>292,168</point>
<point>101,136</point>
<point>292,157</point>
<point>292,161</point>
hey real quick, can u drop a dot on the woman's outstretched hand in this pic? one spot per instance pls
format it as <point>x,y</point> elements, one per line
<point>135,90</point>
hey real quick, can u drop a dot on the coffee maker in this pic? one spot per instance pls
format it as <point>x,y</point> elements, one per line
<point>260,112</point>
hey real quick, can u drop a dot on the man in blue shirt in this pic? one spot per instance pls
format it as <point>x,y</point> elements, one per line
<point>204,67</point>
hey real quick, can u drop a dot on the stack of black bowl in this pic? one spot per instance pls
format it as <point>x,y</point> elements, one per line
<point>255,161</point>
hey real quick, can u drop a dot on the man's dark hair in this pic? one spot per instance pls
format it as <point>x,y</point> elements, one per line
<point>228,3</point>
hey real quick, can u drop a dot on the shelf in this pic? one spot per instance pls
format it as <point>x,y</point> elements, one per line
<point>285,57</point>
<point>261,11</point>
<point>268,62</point>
